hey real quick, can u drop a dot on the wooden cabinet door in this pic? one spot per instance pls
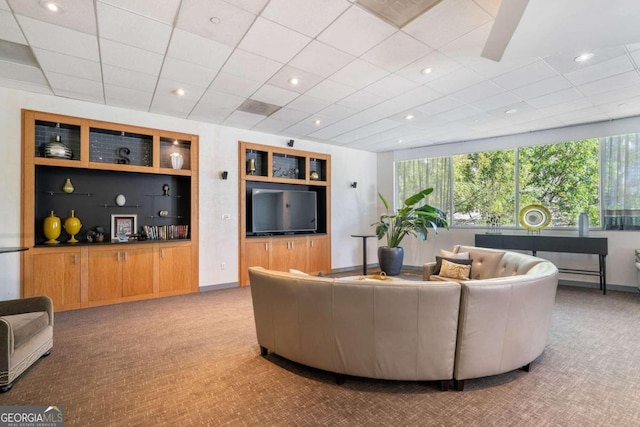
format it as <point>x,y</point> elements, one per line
<point>175,269</point>
<point>289,253</point>
<point>57,275</point>
<point>256,254</point>
<point>319,254</point>
<point>105,274</point>
<point>137,272</point>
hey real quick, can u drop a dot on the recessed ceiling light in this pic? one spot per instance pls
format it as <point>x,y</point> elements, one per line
<point>409,117</point>
<point>214,20</point>
<point>179,92</point>
<point>317,122</point>
<point>400,141</point>
<point>426,70</point>
<point>584,57</point>
<point>294,81</point>
<point>511,111</point>
<point>51,6</point>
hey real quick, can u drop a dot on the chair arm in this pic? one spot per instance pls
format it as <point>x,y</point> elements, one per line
<point>27,305</point>
<point>427,270</point>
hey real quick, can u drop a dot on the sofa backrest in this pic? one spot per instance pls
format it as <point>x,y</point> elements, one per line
<point>391,330</point>
<point>485,261</point>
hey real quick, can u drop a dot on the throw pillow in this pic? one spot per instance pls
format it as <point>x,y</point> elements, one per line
<point>439,259</point>
<point>455,271</point>
<point>448,254</point>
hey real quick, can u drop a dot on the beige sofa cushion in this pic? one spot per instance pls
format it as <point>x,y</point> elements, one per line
<point>485,261</point>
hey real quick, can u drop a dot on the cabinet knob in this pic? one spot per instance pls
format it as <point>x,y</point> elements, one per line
<point>266,247</point>
<point>162,253</point>
<point>126,255</point>
<point>118,256</point>
<point>75,258</point>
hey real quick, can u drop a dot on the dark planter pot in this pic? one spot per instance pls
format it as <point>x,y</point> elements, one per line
<point>390,260</point>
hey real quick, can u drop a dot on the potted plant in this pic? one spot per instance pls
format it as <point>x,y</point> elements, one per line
<point>410,219</point>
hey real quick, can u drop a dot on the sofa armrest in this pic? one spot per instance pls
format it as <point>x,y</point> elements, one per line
<point>427,270</point>
<point>27,305</point>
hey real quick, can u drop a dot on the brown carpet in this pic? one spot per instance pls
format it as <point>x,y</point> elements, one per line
<point>193,361</point>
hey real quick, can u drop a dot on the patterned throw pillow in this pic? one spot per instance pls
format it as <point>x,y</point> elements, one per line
<point>439,259</point>
<point>455,271</point>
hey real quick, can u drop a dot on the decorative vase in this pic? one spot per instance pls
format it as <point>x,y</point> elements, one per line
<point>72,226</point>
<point>57,149</point>
<point>68,186</point>
<point>52,229</point>
<point>176,160</point>
<point>390,260</point>
<point>583,225</point>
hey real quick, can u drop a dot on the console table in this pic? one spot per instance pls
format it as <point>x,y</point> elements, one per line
<point>567,244</point>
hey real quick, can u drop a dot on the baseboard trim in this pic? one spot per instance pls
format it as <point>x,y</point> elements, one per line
<point>218,287</point>
<point>591,285</point>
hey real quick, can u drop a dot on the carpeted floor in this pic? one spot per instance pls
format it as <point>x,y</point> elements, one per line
<point>193,361</point>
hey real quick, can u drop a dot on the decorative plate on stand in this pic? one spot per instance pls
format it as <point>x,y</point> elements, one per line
<point>535,217</point>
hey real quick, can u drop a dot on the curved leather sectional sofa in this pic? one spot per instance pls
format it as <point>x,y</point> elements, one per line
<point>432,330</point>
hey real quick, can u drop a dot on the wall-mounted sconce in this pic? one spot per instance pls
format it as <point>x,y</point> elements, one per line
<point>224,174</point>
<point>290,143</point>
<point>354,184</point>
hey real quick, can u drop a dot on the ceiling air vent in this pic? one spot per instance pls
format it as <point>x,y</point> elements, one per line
<point>398,12</point>
<point>257,107</point>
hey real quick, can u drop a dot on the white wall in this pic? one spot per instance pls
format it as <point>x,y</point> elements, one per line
<point>352,209</point>
<point>621,269</point>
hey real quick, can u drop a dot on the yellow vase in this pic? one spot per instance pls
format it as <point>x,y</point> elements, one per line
<point>68,186</point>
<point>52,229</point>
<point>72,226</point>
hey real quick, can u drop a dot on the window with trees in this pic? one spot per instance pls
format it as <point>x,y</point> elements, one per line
<point>491,187</point>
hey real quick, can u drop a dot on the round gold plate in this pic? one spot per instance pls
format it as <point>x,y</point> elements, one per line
<point>535,217</point>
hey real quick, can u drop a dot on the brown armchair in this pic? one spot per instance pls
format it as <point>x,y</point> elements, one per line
<point>26,334</point>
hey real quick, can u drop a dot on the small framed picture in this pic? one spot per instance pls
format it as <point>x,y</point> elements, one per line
<point>123,226</point>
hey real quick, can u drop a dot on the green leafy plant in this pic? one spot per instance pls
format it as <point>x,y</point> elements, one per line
<point>409,219</point>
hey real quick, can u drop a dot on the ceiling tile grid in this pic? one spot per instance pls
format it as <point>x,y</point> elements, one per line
<point>338,74</point>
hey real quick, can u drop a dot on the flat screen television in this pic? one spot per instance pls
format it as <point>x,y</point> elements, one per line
<point>283,211</point>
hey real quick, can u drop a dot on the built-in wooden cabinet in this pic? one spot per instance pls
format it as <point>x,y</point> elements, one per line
<point>273,168</point>
<point>156,170</point>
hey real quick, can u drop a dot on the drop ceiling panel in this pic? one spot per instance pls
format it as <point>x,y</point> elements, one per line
<point>618,65</point>
<point>330,91</point>
<point>365,131</point>
<point>356,31</point>
<point>306,80</point>
<point>468,47</point>
<point>131,29</point>
<point>360,100</point>
<point>396,52</point>
<point>120,77</point>
<point>321,59</point>
<point>274,95</point>
<point>167,104</point>
<point>9,29</point>
<point>308,17</point>
<point>214,99</point>
<point>243,119</point>
<point>163,11</point>
<point>59,39</point>
<point>74,16</point>
<point>559,97</point>
<point>359,74</point>
<point>130,58</point>
<point>289,115</point>
<point>67,84</point>
<point>273,41</point>
<point>447,21</point>
<point>611,83</point>
<point>210,114</point>
<point>69,65</point>
<point>309,104</point>
<point>166,87</point>
<point>237,85</point>
<point>542,87</point>
<point>455,80</point>
<point>440,105</point>
<point>20,72</point>
<point>564,62</point>
<point>496,101</point>
<point>188,73</point>
<point>251,66</point>
<point>42,88</point>
<point>253,6</point>
<point>230,22</point>
<point>439,64</point>
<point>198,50</point>
<point>271,125</point>
<point>4,5</point>
<point>526,75</point>
<point>127,97</point>
<point>481,90</point>
<point>390,86</point>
